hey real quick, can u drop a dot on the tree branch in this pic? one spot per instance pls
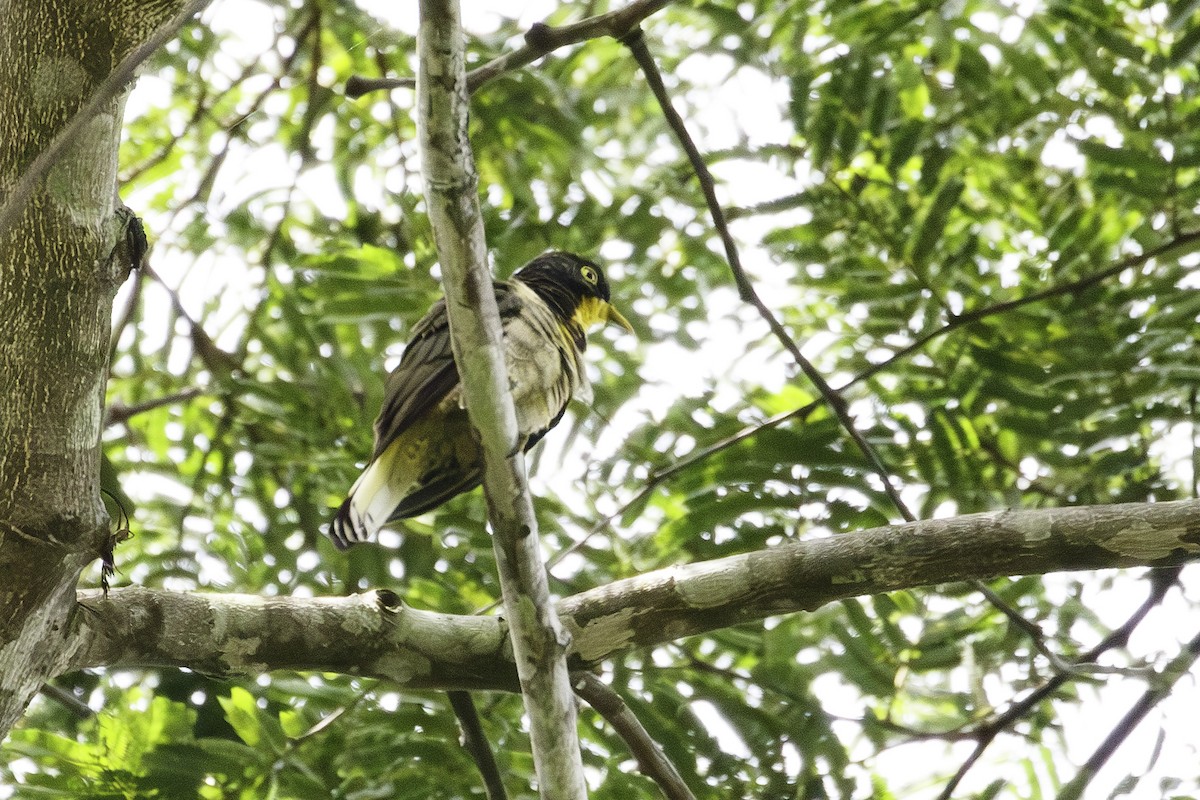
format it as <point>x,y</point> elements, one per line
<point>650,757</point>
<point>1186,240</point>
<point>476,743</point>
<point>538,639</point>
<point>1161,582</point>
<point>540,40</point>
<point>119,413</point>
<point>636,42</point>
<point>371,634</point>
<point>1159,691</point>
<point>374,634</point>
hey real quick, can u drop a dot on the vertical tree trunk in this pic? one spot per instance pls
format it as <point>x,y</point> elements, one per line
<point>59,270</point>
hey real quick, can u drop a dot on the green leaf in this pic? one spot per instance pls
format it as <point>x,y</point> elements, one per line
<point>937,216</point>
<point>243,714</point>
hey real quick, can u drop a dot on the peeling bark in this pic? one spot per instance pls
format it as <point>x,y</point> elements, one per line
<point>373,634</point>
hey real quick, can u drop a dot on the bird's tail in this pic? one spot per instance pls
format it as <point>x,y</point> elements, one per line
<point>369,504</point>
<point>346,528</point>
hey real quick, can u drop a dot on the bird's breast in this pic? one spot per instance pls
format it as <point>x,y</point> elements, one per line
<point>544,366</point>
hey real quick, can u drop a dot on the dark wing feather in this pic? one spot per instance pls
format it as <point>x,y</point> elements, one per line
<point>536,437</point>
<point>438,490</point>
<point>427,372</point>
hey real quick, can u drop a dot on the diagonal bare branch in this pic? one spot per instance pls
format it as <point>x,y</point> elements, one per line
<point>476,743</point>
<point>650,757</point>
<point>118,413</point>
<point>1155,694</point>
<point>1161,582</point>
<point>636,42</point>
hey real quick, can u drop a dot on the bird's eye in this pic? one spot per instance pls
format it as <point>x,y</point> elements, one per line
<point>590,275</point>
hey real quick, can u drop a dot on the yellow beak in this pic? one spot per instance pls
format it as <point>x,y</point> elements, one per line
<point>612,315</point>
<point>593,310</point>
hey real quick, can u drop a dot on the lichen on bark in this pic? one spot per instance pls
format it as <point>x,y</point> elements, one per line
<point>59,271</point>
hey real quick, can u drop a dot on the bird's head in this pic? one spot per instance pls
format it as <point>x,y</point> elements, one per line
<point>574,287</point>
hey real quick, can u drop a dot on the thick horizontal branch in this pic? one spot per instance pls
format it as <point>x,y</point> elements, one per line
<point>670,604</point>
<point>371,634</point>
<point>374,634</point>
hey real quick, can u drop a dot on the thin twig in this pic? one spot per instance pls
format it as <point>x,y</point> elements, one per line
<point>636,43</point>
<point>168,147</point>
<point>132,304</point>
<point>476,743</point>
<point>234,125</point>
<point>1195,437</point>
<point>1072,287</point>
<point>1036,634</point>
<point>651,759</point>
<point>540,40</point>
<point>959,321</point>
<point>105,93</point>
<point>119,413</point>
<point>69,701</point>
<point>215,360</point>
<point>1155,694</point>
<point>657,478</point>
<point>1161,582</point>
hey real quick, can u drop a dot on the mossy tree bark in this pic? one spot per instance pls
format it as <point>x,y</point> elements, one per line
<point>61,263</point>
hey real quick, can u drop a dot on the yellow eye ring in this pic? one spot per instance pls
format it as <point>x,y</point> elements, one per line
<point>589,275</point>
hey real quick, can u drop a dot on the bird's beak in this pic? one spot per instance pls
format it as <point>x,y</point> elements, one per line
<point>611,315</point>
<point>593,310</point>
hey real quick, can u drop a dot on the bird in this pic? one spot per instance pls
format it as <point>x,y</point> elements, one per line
<point>425,450</point>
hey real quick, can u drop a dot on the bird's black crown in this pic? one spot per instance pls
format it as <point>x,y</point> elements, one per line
<point>564,279</point>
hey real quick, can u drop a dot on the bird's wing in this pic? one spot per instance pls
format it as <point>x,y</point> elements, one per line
<point>438,489</point>
<point>427,372</point>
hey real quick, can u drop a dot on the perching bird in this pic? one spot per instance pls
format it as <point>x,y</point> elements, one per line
<point>425,451</point>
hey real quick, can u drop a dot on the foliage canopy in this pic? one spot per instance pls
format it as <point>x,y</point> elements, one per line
<point>985,179</point>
